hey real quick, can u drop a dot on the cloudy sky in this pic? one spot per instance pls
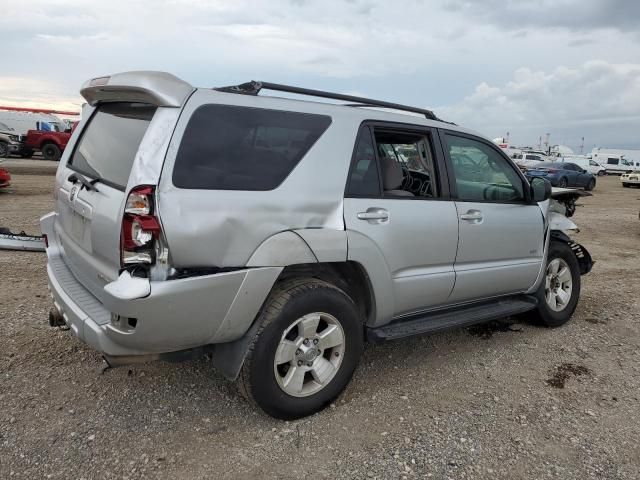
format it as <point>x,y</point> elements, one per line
<point>567,67</point>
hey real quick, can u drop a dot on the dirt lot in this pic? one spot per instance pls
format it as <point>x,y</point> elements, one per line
<point>517,402</point>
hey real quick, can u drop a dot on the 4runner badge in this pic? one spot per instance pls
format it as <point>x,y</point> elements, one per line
<point>73,193</point>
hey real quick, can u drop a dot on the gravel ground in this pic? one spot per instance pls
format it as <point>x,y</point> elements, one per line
<point>501,401</point>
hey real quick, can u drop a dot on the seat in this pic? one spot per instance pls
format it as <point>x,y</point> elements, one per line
<point>392,177</point>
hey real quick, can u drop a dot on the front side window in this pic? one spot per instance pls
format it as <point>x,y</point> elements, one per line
<point>227,147</point>
<point>481,173</point>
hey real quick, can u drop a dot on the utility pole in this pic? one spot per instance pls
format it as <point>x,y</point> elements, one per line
<point>546,143</point>
<point>582,146</point>
<point>507,142</point>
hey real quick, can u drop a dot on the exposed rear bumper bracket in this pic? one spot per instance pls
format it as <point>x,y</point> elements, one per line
<point>179,356</point>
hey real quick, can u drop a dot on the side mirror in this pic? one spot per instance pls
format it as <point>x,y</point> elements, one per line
<point>540,189</point>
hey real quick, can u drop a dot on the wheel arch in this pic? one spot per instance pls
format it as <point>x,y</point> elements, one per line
<point>349,276</point>
<point>582,255</point>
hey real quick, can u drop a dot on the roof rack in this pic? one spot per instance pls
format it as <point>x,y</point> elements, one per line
<point>254,87</point>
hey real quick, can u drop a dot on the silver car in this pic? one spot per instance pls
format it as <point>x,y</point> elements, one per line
<point>280,235</point>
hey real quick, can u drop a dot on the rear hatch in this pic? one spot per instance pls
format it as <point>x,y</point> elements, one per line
<point>91,191</point>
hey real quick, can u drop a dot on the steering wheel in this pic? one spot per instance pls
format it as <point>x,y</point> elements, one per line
<point>425,189</point>
<point>407,181</point>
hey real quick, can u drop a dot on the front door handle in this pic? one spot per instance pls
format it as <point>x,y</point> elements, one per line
<point>473,216</point>
<point>374,215</point>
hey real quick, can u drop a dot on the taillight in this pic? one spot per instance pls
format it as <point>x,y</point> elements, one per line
<point>140,228</point>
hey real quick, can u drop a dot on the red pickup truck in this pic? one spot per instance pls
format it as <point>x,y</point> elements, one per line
<point>51,144</point>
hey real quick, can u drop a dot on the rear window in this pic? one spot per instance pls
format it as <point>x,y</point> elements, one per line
<point>241,148</point>
<point>109,142</point>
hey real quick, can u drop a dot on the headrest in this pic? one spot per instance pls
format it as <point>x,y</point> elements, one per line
<point>391,174</point>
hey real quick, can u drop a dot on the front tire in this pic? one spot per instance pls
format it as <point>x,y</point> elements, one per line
<point>306,349</point>
<point>602,173</point>
<point>560,290</point>
<point>562,183</point>
<point>4,150</point>
<point>626,185</point>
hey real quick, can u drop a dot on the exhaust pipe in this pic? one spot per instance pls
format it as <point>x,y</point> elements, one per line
<point>55,319</point>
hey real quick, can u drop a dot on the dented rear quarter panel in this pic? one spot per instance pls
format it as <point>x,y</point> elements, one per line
<point>223,228</point>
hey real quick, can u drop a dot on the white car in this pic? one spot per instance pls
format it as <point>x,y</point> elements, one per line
<point>630,179</point>
<point>588,164</point>
<point>530,159</point>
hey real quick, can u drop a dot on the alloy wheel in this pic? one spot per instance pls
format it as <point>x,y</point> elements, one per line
<point>558,285</point>
<point>309,354</point>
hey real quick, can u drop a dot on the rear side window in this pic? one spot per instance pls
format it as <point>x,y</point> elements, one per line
<point>109,143</point>
<point>241,148</point>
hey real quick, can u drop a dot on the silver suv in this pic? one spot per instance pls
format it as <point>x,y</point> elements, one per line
<point>280,235</point>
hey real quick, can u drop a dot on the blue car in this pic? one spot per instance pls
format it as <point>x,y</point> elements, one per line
<point>563,175</point>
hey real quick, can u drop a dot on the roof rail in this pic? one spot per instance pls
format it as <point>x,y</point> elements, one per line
<point>254,87</point>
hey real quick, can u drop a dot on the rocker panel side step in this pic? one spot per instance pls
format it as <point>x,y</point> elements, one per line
<point>463,316</point>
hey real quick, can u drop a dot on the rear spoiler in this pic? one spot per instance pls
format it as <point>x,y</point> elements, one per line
<point>156,88</point>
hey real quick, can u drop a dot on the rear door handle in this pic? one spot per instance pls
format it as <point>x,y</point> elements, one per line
<point>374,215</point>
<point>473,216</point>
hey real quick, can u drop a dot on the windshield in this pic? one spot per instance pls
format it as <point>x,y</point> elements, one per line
<point>110,141</point>
<point>5,127</point>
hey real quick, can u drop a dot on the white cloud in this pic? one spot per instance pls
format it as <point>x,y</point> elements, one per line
<point>416,51</point>
<point>598,100</point>
<point>34,93</point>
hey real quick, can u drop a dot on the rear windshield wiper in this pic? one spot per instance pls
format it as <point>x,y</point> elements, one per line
<point>89,185</point>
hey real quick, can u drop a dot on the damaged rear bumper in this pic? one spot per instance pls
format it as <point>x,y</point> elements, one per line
<point>178,314</point>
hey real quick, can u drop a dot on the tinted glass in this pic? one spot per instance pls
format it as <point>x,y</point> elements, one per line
<point>240,148</point>
<point>364,179</point>
<point>482,173</point>
<point>110,141</point>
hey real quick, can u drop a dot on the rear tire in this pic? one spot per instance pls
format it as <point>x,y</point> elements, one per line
<point>51,151</point>
<point>560,289</point>
<point>28,154</point>
<point>283,372</point>
<point>591,185</point>
<point>626,185</point>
